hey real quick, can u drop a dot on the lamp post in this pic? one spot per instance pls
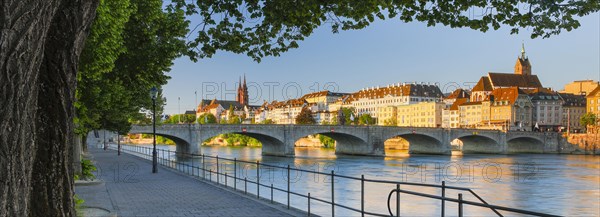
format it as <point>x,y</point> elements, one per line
<point>153,93</point>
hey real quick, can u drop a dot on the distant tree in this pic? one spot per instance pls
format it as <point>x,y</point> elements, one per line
<point>267,121</point>
<point>366,119</point>
<point>327,141</point>
<point>207,118</point>
<point>305,117</point>
<point>230,112</point>
<point>234,119</point>
<point>348,113</point>
<point>588,120</point>
<point>390,122</point>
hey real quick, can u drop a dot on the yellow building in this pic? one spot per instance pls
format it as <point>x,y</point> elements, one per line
<point>593,102</point>
<point>423,114</point>
<point>470,114</point>
<point>510,109</point>
<point>583,87</point>
<point>385,114</point>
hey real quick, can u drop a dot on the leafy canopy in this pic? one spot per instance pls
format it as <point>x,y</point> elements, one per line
<point>268,28</point>
<point>305,117</point>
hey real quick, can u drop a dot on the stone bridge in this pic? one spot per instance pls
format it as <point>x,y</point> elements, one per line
<point>365,140</point>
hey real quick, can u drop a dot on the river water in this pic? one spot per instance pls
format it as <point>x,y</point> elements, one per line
<point>566,185</point>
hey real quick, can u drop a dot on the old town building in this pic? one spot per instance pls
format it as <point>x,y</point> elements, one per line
<point>367,101</point>
<point>547,109</point>
<point>521,78</point>
<point>573,108</point>
<point>583,87</point>
<point>593,102</point>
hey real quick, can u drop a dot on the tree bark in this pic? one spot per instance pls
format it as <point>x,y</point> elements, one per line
<point>40,43</point>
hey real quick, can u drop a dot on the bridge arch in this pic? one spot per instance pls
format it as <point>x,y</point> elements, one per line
<point>181,145</point>
<point>348,143</point>
<point>270,145</point>
<point>422,143</point>
<point>479,144</point>
<point>525,144</point>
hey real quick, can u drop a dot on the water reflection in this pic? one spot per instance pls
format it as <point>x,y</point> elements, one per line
<point>556,184</point>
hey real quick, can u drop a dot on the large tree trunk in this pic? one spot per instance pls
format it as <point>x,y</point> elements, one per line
<point>40,43</point>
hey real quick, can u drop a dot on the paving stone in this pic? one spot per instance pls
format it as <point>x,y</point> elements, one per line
<point>131,189</point>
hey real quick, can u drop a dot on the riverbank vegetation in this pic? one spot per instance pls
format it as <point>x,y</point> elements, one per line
<point>232,139</point>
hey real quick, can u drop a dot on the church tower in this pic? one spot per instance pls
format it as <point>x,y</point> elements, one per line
<point>523,67</point>
<point>242,92</point>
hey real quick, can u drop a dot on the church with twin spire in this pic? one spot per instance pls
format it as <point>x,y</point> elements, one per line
<point>219,108</point>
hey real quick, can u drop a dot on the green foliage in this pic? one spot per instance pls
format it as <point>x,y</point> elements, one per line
<point>588,119</point>
<point>78,203</point>
<point>87,167</point>
<point>305,117</point>
<point>164,140</point>
<point>234,119</point>
<point>267,121</point>
<point>180,118</point>
<point>390,122</point>
<point>269,28</point>
<point>348,112</point>
<point>327,141</point>
<point>207,118</point>
<point>95,94</point>
<point>240,139</point>
<point>366,119</point>
<point>132,43</point>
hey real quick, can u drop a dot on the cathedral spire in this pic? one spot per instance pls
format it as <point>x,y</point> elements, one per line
<point>523,51</point>
<point>245,87</point>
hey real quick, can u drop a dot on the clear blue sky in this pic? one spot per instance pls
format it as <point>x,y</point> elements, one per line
<point>388,52</point>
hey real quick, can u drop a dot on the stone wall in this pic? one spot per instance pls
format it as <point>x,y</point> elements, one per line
<point>586,143</point>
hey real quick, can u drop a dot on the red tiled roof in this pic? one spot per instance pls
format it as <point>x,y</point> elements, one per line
<point>421,90</point>
<point>514,80</point>
<point>509,94</point>
<point>458,103</point>
<point>458,94</point>
<point>322,93</point>
<point>483,84</point>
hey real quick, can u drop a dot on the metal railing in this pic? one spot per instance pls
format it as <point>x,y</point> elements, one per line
<point>165,158</point>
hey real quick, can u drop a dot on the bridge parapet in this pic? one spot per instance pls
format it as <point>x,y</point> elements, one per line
<point>361,140</point>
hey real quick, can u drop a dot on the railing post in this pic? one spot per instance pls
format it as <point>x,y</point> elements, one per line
<point>217,168</point>
<point>210,175</point>
<point>235,173</point>
<point>225,179</point>
<point>288,191</point>
<point>332,195</point>
<point>245,185</point>
<point>362,195</point>
<point>271,192</point>
<point>460,205</point>
<point>308,204</point>
<point>398,200</point>
<point>443,198</point>
<point>257,180</point>
<point>203,167</point>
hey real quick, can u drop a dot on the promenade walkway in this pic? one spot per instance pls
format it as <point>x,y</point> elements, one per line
<point>130,189</point>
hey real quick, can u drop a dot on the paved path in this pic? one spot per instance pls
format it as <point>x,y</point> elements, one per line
<point>130,189</point>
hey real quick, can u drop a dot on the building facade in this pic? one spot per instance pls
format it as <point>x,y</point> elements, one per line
<point>574,106</point>
<point>583,87</point>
